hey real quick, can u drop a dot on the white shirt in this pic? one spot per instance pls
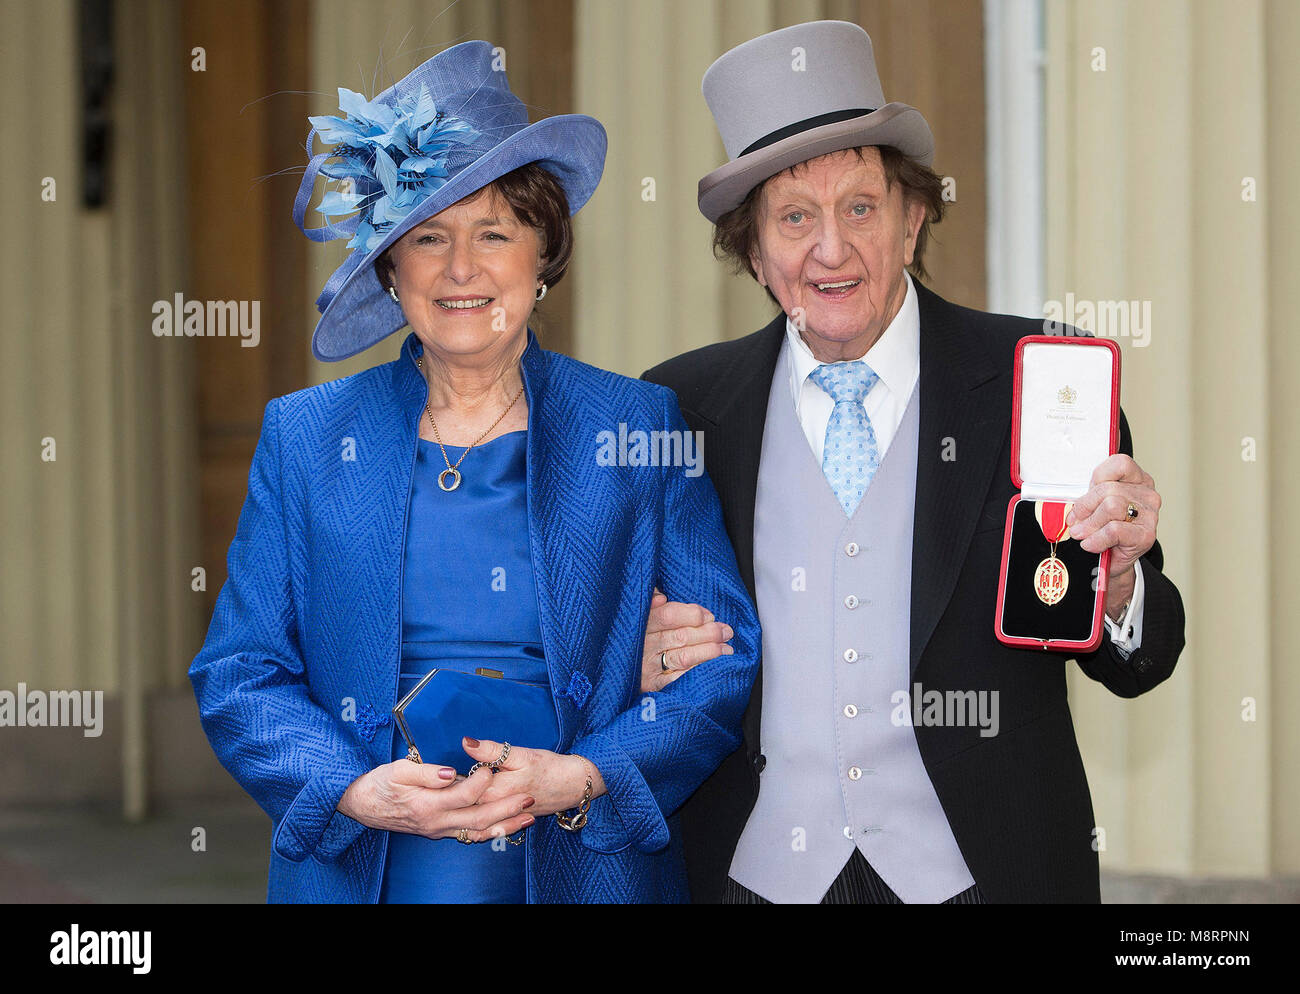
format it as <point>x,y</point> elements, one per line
<point>896,359</point>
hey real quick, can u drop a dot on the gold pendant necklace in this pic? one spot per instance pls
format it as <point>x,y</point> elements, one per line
<point>454,471</point>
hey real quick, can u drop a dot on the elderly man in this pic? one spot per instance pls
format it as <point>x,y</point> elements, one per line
<point>861,446</point>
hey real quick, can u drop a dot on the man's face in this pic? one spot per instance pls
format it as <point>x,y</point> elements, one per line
<point>832,246</point>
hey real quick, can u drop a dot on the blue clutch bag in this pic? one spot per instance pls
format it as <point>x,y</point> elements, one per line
<point>447,705</point>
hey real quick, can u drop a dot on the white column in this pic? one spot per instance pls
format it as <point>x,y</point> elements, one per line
<point>1013,83</point>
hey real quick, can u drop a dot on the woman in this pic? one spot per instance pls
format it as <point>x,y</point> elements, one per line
<point>449,511</point>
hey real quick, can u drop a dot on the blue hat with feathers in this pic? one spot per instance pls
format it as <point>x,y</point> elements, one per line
<point>447,129</point>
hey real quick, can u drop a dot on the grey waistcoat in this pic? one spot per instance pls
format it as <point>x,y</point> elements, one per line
<point>834,600</point>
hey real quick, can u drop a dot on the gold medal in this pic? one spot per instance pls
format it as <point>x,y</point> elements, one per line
<point>1052,579</point>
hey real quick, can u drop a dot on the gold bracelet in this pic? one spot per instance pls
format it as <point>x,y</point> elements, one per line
<point>575,822</point>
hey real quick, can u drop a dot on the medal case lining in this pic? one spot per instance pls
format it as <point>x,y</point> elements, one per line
<point>1023,615</point>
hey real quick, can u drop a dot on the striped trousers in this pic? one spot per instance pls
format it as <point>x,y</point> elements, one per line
<point>857,883</point>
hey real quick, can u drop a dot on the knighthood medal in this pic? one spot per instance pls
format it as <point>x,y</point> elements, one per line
<point>1052,579</point>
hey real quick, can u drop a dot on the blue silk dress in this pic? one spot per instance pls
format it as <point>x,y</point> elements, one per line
<point>468,600</point>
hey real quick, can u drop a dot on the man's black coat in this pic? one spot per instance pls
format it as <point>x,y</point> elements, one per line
<point>1018,802</point>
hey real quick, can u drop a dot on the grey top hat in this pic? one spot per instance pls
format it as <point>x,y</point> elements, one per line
<point>794,94</point>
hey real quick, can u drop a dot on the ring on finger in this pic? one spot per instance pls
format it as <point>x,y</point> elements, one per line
<point>663,661</point>
<point>463,836</point>
<point>1131,512</point>
<point>505,754</point>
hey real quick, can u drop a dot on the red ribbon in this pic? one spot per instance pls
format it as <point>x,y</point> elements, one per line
<point>1052,519</point>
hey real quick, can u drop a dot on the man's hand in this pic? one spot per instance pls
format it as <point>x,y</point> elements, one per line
<point>1100,520</point>
<point>685,634</point>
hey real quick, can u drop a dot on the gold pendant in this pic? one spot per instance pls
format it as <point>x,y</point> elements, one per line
<point>1051,580</point>
<point>455,479</point>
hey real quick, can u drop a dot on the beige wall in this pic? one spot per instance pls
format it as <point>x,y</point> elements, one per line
<point>1145,167</point>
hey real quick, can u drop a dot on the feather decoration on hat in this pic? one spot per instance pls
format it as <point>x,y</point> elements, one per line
<point>387,159</point>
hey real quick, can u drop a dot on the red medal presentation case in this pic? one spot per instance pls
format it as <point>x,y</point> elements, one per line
<point>1064,421</point>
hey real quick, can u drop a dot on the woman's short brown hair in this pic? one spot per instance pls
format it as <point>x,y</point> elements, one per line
<point>538,200</point>
<point>735,236</point>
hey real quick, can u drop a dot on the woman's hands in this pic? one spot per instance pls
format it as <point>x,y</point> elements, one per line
<point>685,634</point>
<point>420,799</point>
<point>556,782</point>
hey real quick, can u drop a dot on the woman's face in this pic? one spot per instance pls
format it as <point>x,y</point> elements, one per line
<point>467,278</point>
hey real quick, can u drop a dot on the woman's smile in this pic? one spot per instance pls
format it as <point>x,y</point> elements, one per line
<point>464,304</point>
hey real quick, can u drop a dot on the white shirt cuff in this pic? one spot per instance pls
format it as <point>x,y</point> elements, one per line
<point>1127,632</point>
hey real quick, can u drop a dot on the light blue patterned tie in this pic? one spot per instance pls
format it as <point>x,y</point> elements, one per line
<point>850,457</point>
